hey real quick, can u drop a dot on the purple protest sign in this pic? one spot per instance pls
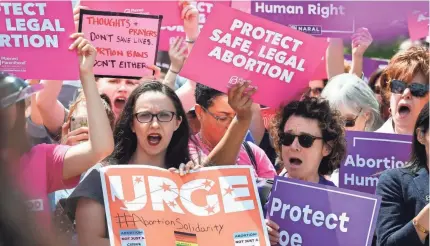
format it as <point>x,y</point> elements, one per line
<point>318,18</point>
<point>369,154</point>
<point>308,213</point>
<point>386,20</point>
<point>370,65</point>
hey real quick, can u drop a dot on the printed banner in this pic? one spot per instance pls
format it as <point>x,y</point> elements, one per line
<point>172,26</point>
<point>126,43</point>
<point>277,59</point>
<point>335,216</point>
<point>418,24</point>
<point>386,20</point>
<point>369,154</point>
<point>213,206</point>
<point>318,18</point>
<point>35,40</point>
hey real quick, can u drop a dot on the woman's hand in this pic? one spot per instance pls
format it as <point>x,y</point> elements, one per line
<point>361,40</point>
<point>74,137</point>
<point>177,54</point>
<point>273,230</point>
<point>239,98</point>
<point>190,15</point>
<point>86,51</point>
<point>185,168</point>
<point>76,15</point>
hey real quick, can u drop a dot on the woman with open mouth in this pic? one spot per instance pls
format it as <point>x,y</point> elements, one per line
<point>405,84</point>
<point>310,139</point>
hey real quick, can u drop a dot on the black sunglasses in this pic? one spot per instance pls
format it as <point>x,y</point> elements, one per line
<point>163,116</point>
<point>351,122</point>
<point>417,89</point>
<point>305,140</point>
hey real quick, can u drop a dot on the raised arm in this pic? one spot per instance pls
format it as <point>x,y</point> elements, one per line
<point>335,59</point>
<point>361,40</point>
<point>177,57</point>
<point>227,150</point>
<point>257,124</point>
<point>51,110</point>
<point>82,156</point>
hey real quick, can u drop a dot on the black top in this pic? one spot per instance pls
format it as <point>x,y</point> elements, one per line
<point>404,194</point>
<point>90,187</point>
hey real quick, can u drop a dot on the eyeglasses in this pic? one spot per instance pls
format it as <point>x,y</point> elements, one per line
<point>417,89</point>
<point>223,120</point>
<point>317,90</point>
<point>351,122</point>
<point>146,117</point>
<point>305,140</point>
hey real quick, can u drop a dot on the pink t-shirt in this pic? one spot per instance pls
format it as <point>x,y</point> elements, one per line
<point>265,168</point>
<point>40,173</point>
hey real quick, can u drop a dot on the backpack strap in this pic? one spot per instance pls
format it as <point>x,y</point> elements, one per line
<point>250,154</point>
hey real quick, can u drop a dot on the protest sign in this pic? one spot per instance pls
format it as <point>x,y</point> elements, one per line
<point>172,26</point>
<point>211,206</point>
<point>370,65</point>
<point>386,20</point>
<point>277,59</point>
<point>126,43</point>
<point>35,37</point>
<point>369,154</point>
<point>418,24</point>
<point>338,217</point>
<point>318,18</point>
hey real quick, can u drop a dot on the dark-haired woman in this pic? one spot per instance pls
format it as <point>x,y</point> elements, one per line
<point>152,130</point>
<point>404,215</point>
<point>46,168</point>
<point>310,140</point>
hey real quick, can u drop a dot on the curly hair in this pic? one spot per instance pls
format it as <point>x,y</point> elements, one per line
<point>329,121</point>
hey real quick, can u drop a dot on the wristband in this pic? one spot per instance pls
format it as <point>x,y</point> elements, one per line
<point>190,41</point>
<point>173,71</point>
<point>419,227</point>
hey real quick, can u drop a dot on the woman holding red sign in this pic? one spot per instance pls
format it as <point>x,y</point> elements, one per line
<point>46,168</point>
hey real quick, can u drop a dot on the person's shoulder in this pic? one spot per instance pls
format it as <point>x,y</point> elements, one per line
<point>387,127</point>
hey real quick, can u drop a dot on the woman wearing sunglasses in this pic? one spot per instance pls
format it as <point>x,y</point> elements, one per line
<point>354,99</point>
<point>405,84</point>
<point>310,140</point>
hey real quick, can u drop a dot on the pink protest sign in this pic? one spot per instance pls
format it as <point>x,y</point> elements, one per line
<point>172,26</point>
<point>126,43</point>
<point>418,25</point>
<point>34,40</point>
<point>277,59</point>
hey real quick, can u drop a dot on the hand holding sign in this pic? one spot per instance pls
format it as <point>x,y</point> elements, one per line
<point>273,230</point>
<point>185,168</point>
<point>87,53</point>
<point>77,14</point>
<point>361,40</point>
<point>239,97</point>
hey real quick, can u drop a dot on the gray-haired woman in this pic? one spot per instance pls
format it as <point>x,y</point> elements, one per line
<point>356,102</point>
